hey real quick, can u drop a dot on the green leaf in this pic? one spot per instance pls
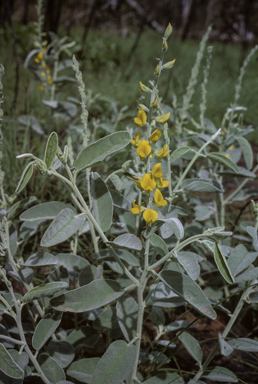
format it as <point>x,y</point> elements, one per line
<point>40,259</point>
<point>88,297</point>
<point>165,378</point>
<point>83,369</point>
<point>161,295</point>
<point>225,348</point>
<point>247,151</point>
<point>51,369</point>
<point>192,346</point>
<point>222,159</point>
<point>62,227</point>
<point>240,259</point>
<point>253,233</point>
<point>31,122</point>
<point>128,240</point>
<point>186,288</point>
<point>115,365</point>
<point>127,315</point>
<point>202,185</point>
<point>222,264</point>
<point>8,365</point>
<point>51,149</point>
<point>119,200</point>
<point>157,317</point>
<point>45,329</point>
<point>107,320</point>
<point>73,263</point>
<point>44,211</point>
<point>44,290</point>
<point>118,184</point>
<point>102,202</point>
<point>102,148</point>
<point>220,374</point>
<point>20,206</point>
<point>175,226</point>
<point>123,254</point>
<point>189,261</point>
<point>25,177</point>
<point>87,275</point>
<point>244,344</point>
<point>179,152</point>
<point>159,245</point>
<point>62,352</point>
<point>86,336</point>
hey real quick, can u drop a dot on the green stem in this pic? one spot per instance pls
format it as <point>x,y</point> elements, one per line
<point>193,160</point>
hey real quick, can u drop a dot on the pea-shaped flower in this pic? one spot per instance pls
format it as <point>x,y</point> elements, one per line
<point>150,216</point>
<point>144,149</point>
<point>156,171</point>
<point>158,199</point>
<point>162,152</point>
<point>148,183</point>
<point>141,118</point>
<point>135,141</point>
<point>162,184</point>
<point>136,208</point>
<point>163,119</point>
<point>155,136</point>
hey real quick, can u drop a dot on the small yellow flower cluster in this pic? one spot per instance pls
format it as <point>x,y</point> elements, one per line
<point>45,70</point>
<point>154,179</point>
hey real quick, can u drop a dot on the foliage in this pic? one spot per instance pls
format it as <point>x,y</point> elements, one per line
<point>114,288</point>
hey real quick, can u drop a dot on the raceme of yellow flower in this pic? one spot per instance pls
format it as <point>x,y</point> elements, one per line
<point>163,119</point>
<point>156,171</point>
<point>148,183</point>
<point>155,136</point>
<point>158,199</point>
<point>150,216</point>
<point>144,149</point>
<point>136,208</point>
<point>162,152</point>
<point>162,184</point>
<point>135,141</point>
<point>141,118</point>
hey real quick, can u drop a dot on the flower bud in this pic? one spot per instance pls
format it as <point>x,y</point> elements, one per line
<point>168,31</point>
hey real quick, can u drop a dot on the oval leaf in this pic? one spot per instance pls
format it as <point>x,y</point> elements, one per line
<point>102,148</point>
<point>88,297</point>
<point>192,346</point>
<point>8,365</point>
<point>102,202</point>
<point>83,369</point>
<point>222,159</point>
<point>186,288</point>
<point>43,290</point>
<point>178,153</point>
<point>220,374</point>
<point>64,226</point>
<point>51,149</point>
<point>51,369</point>
<point>25,177</point>
<point>45,328</point>
<point>127,315</point>
<point>128,240</point>
<point>61,351</point>
<point>222,264</point>
<point>115,365</point>
<point>247,151</point>
<point>45,211</point>
<point>202,185</point>
<point>244,344</point>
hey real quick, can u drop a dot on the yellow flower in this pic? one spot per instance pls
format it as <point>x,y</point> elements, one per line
<point>156,171</point>
<point>228,156</point>
<point>155,136</point>
<point>44,65</point>
<point>43,74</point>
<point>144,149</point>
<point>40,55</point>
<point>165,45</point>
<point>162,184</point>
<point>163,119</point>
<point>150,216</point>
<point>162,152</point>
<point>41,88</point>
<point>37,60</point>
<point>141,118</point>
<point>136,208</point>
<point>48,70</point>
<point>135,141</point>
<point>157,70</point>
<point>49,80</point>
<point>148,183</point>
<point>158,199</point>
<point>154,104</point>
